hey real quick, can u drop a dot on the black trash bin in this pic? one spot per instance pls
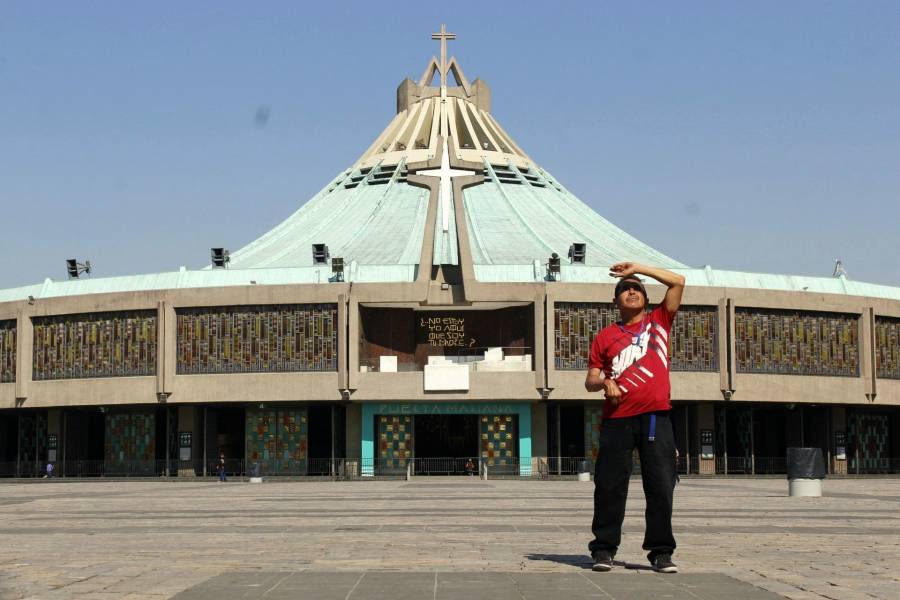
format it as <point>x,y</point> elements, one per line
<point>805,471</point>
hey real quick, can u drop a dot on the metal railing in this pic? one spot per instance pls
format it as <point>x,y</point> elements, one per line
<point>446,466</point>
<point>873,466</point>
<point>769,465</point>
<point>563,467</point>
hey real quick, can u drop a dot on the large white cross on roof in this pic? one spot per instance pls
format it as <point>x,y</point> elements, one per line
<point>446,190</point>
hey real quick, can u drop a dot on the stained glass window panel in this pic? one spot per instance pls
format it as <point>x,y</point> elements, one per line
<point>786,342</point>
<point>257,339</point>
<point>110,344</point>
<point>7,351</point>
<point>693,344</point>
<point>887,347</point>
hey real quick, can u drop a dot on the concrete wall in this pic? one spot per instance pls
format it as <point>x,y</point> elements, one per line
<point>561,385</point>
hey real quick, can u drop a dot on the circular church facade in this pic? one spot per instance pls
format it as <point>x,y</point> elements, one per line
<point>430,309</point>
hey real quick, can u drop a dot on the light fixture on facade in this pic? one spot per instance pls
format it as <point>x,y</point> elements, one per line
<point>577,252</point>
<point>75,268</point>
<point>220,257</point>
<point>320,254</point>
<point>553,267</point>
<point>337,268</point>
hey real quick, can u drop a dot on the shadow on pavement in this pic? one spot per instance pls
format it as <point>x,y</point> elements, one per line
<point>574,560</point>
<point>584,561</point>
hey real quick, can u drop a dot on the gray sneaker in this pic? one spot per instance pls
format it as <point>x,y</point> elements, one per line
<point>662,563</point>
<point>603,561</point>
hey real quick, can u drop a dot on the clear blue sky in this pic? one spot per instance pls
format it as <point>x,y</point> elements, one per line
<point>758,136</point>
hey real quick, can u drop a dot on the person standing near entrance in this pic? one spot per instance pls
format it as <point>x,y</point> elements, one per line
<point>220,466</point>
<point>629,363</point>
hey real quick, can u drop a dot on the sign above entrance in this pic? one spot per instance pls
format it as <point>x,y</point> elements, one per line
<point>453,408</point>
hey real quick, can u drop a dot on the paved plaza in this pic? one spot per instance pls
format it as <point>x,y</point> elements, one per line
<point>437,538</point>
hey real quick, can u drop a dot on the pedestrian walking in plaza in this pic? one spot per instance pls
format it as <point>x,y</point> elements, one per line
<point>49,470</point>
<point>220,467</point>
<point>629,363</point>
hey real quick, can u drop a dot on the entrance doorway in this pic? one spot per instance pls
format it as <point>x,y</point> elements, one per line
<point>225,435</point>
<point>84,442</point>
<point>566,434</point>
<point>9,451</point>
<point>326,439</point>
<point>445,443</point>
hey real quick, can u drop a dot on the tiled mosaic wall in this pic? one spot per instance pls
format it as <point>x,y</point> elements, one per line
<point>796,343</point>
<point>887,347</point>
<point>693,345</point>
<point>593,420</point>
<point>869,432</point>
<point>499,443</point>
<point>130,437</point>
<point>112,344</point>
<point>257,339</point>
<point>394,440</point>
<point>278,439</point>
<point>7,351</point>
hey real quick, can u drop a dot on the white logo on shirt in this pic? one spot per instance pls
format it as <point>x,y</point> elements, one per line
<point>631,353</point>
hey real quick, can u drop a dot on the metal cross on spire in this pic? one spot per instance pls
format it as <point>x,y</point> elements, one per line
<point>443,36</point>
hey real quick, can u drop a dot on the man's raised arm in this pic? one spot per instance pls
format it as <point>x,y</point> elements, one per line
<point>673,281</point>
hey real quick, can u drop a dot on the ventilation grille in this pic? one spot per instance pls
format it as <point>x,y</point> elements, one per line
<point>378,176</point>
<point>512,175</point>
<point>356,178</point>
<point>506,174</point>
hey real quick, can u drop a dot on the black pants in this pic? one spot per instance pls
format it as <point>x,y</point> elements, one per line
<point>618,439</point>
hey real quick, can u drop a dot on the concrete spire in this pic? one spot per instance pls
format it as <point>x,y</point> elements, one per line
<point>443,36</point>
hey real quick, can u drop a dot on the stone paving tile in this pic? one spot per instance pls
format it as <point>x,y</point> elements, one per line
<point>468,586</point>
<point>158,539</point>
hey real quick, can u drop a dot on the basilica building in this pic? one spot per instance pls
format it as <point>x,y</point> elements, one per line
<point>431,309</point>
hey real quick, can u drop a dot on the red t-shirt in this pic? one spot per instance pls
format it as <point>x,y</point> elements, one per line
<point>637,358</point>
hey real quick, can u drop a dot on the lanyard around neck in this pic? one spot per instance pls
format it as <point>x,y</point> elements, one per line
<point>635,338</point>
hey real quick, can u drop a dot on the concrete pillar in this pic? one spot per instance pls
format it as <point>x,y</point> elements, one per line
<point>24,351</point>
<point>353,327</point>
<point>343,376</point>
<point>354,431</point>
<point>706,420</point>
<point>838,426</point>
<point>539,430</point>
<point>167,340</point>
<point>539,356</point>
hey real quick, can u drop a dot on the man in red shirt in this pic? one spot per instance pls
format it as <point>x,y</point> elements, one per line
<point>629,362</point>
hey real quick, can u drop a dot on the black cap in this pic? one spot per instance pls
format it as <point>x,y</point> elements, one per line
<point>631,280</point>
